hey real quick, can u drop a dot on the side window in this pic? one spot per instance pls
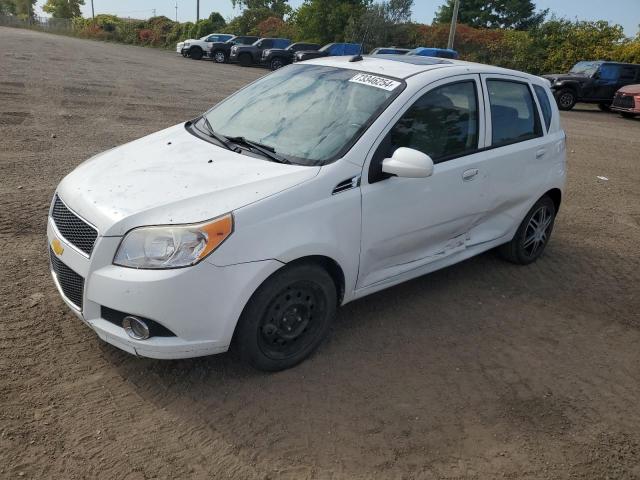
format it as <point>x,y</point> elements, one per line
<point>351,49</point>
<point>266,44</point>
<point>627,73</point>
<point>545,104</point>
<point>514,117</point>
<point>336,49</point>
<point>609,72</point>
<point>442,123</point>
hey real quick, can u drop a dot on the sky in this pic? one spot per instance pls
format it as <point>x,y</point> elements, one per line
<point>624,12</point>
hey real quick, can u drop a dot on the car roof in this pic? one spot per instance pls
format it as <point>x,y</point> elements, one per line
<point>402,66</point>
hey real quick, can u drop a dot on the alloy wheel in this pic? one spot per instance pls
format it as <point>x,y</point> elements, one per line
<point>537,231</point>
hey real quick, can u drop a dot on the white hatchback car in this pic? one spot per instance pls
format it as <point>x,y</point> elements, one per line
<point>316,185</point>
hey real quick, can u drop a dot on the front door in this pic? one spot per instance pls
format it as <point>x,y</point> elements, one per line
<point>410,222</point>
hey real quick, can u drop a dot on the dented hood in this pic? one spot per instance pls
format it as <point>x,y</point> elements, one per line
<point>171,177</point>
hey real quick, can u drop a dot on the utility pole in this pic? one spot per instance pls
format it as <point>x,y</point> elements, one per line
<point>197,10</point>
<point>154,11</point>
<point>93,15</point>
<point>176,11</point>
<point>454,20</point>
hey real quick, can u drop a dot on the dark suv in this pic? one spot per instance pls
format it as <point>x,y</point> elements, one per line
<point>251,54</point>
<point>329,50</point>
<point>220,51</point>
<point>592,82</point>
<point>275,58</point>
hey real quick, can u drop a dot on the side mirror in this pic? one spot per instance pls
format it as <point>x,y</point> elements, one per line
<point>408,163</point>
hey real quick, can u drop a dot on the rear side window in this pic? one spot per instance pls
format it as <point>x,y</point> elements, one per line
<point>443,123</point>
<point>609,72</point>
<point>351,49</point>
<point>628,73</point>
<point>545,104</point>
<point>514,117</point>
<point>336,49</point>
<point>280,43</point>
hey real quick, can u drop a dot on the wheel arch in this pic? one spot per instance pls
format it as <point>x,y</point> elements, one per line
<point>556,196</point>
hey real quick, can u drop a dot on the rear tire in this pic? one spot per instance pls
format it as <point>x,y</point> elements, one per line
<point>628,114</point>
<point>287,318</point>
<point>195,53</point>
<point>533,234</point>
<point>566,99</point>
<point>245,60</point>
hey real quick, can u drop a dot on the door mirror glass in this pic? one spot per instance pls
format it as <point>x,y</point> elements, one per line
<point>408,163</point>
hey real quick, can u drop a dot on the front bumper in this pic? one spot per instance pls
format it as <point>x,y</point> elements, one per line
<point>200,304</point>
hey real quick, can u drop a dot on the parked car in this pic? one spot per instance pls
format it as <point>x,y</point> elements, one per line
<point>196,49</point>
<point>592,82</point>
<point>627,101</point>
<point>434,52</point>
<point>248,55</point>
<point>329,50</point>
<point>275,58</point>
<point>220,51</point>
<point>389,51</point>
<point>314,186</point>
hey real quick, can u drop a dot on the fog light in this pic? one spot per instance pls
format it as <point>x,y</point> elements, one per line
<point>135,328</point>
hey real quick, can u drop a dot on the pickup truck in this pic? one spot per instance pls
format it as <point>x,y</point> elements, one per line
<point>329,50</point>
<point>275,58</point>
<point>248,55</point>
<point>196,49</point>
<point>220,51</point>
<point>592,82</point>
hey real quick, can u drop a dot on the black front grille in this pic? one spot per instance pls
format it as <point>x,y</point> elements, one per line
<point>624,101</point>
<point>71,284</point>
<point>75,230</point>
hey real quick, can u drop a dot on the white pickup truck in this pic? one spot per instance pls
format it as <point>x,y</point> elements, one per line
<point>196,49</point>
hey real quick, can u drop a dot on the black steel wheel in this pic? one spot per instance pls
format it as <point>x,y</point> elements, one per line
<point>245,59</point>
<point>195,53</point>
<point>533,234</point>
<point>566,99</point>
<point>287,317</point>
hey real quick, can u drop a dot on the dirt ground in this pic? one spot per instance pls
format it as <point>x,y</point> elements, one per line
<point>482,370</point>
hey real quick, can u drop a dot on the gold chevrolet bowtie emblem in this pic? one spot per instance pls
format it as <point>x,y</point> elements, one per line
<point>57,247</point>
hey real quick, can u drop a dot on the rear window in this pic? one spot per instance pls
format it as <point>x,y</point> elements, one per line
<point>514,117</point>
<point>545,104</point>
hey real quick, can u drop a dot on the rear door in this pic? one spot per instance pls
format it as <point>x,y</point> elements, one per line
<point>520,154</point>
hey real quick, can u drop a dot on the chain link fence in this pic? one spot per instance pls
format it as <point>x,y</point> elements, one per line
<point>57,25</point>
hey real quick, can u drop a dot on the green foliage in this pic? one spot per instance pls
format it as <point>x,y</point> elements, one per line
<point>325,21</point>
<point>277,8</point>
<point>516,14</point>
<point>20,8</point>
<point>381,24</point>
<point>63,8</point>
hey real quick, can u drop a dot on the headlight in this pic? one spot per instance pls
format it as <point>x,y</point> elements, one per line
<point>186,44</point>
<point>172,246</point>
<point>266,53</point>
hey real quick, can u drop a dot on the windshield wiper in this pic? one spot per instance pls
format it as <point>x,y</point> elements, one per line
<point>265,150</point>
<point>220,138</point>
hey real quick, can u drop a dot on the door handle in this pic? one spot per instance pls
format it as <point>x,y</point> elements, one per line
<point>541,153</point>
<point>470,174</point>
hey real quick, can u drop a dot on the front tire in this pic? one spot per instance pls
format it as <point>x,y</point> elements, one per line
<point>276,63</point>
<point>287,318</point>
<point>566,99</point>
<point>605,107</point>
<point>219,57</point>
<point>195,53</point>
<point>533,234</point>
<point>245,60</point>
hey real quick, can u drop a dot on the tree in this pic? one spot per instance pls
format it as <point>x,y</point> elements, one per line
<point>514,14</point>
<point>382,24</point>
<point>63,8</point>
<point>277,8</point>
<point>20,8</point>
<point>326,21</point>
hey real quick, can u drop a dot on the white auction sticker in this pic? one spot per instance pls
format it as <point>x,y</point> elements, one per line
<point>375,81</point>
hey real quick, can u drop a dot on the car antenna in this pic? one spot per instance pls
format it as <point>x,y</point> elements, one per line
<point>358,56</point>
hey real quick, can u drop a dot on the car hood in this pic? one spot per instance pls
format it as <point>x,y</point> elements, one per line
<point>561,77</point>
<point>171,177</point>
<point>631,89</point>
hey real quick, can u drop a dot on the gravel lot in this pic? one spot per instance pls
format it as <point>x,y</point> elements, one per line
<point>482,370</point>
